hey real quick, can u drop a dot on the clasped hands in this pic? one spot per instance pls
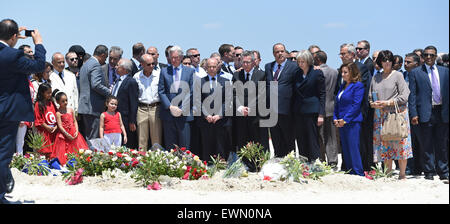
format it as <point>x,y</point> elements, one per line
<point>175,111</point>
<point>339,123</point>
<point>380,104</point>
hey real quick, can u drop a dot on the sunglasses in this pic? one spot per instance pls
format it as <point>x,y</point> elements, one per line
<point>360,48</point>
<point>195,55</point>
<point>429,55</point>
<point>73,59</point>
<point>151,64</point>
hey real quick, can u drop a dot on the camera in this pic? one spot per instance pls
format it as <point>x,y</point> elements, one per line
<point>28,33</point>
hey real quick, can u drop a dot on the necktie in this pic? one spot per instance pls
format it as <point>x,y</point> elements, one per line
<point>116,87</point>
<point>277,72</point>
<point>177,78</point>
<point>213,86</point>
<point>247,77</point>
<point>61,76</point>
<point>435,86</point>
<point>229,69</point>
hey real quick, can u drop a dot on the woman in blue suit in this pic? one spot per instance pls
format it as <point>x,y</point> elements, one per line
<point>348,117</point>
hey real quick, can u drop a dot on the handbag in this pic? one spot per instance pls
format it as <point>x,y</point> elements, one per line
<point>395,127</point>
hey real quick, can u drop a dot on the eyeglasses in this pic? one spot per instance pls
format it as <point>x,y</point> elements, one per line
<point>186,63</point>
<point>385,60</point>
<point>73,59</point>
<point>151,64</point>
<point>361,48</point>
<point>237,55</point>
<point>195,55</point>
<point>425,55</point>
<point>152,54</point>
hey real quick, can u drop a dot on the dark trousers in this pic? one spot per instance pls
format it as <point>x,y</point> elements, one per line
<point>366,142</point>
<point>306,134</point>
<point>216,140</point>
<point>415,164</point>
<point>349,135</point>
<point>196,137</point>
<point>132,138</point>
<point>91,125</point>
<point>433,141</point>
<point>8,134</point>
<point>248,130</point>
<point>176,132</point>
<point>283,137</point>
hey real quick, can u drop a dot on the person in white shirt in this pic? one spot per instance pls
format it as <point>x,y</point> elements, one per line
<point>148,121</point>
<point>64,80</point>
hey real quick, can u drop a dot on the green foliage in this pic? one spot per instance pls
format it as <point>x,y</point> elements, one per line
<point>255,153</point>
<point>36,141</point>
<point>299,169</point>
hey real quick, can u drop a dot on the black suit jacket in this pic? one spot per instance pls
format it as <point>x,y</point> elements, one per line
<point>128,95</point>
<point>366,78</point>
<point>310,93</point>
<point>252,102</point>
<point>224,121</point>
<point>286,85</point>
<point>370,65</point>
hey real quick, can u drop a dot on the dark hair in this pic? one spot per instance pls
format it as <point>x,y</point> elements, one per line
<point>8,28</point>
<point>418,50</point>
<point>166,52</point>
<point>108,99</point>
<point>431,48</point>
<point>100,49</point>
<point>257,53</point>
<point>23,46</point>
<point>355,75</point>
<point>224,48</point>
<point>39,75</point>
<point>238,47</point>
<point>366,44</point>
<point>58,94</point>
<point>322,56</point>
<point>383,56</point>
<point>40,98</point>
<point>138,49</point>
<point>414,56</point>
<point>400,59</point>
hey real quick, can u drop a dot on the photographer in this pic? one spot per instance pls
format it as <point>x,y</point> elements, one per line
<point>15,100</point>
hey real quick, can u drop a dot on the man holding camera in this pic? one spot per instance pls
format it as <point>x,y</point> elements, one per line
<point>15,100</point>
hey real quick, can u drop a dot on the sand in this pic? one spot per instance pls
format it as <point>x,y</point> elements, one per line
<point>334,188</point>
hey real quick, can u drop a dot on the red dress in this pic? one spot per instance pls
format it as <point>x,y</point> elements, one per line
<point>49,118</point>
<point>64,145</point>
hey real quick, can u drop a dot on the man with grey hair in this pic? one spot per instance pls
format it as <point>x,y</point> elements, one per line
<point>109,69</point>
<point>93,92</point>
<point>347,55</point>
<point>64,80</point>
<point>127,92</point>
<point>175,92</point>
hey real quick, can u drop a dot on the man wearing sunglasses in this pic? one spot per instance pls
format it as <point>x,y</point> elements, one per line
<point>153,51</point>
<point>363,52</point>
<point>429,106</point>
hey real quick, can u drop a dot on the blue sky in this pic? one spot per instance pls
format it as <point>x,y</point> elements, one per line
<point>400,25</point>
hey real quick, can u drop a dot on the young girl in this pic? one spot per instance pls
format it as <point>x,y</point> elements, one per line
<point>68,140</point>
<point>111,125</point>
<point>45,119</point>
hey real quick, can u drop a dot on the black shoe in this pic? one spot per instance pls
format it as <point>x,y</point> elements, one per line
<point>9,184</point>
<point>429,177</point>
<point>3,201</point>
<point>443,177</point>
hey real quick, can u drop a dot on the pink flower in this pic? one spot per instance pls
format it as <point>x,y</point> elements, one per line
<point>305,174</point>
<point>119,155</point>
<point>27,155</point>
<point>155,186</point>
<point>205,177</point>
<point>186,176</point>
<point>372,172</point>
<point>267,178</point>
<point>77,178</point>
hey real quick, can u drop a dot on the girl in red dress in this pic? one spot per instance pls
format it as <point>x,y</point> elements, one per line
<point>45,119</point>
<point>68,139</point>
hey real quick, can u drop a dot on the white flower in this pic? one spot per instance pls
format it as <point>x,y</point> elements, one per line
<point>114,158</point>
<point>42,157</point>
<point>196,158</point>
<point>112,151</point>
<point>184,168</point>
<point>89,152</point>
<point>127,158</point>
<point>139,158</point>
<point>81,151</point>
<point>135,152</point>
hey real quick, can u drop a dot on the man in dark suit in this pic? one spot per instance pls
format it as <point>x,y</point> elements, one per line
<point>226,52</point>
<point>109,69</point>
<point>348,54</point>
<point>15,98</point>
<point>247,117</point>
<point>362,52</point>
<point>175,92</point>
<point>216,139</point>
<point>93,92</point>
<point>429,106</point>
<point>284,72</point>
<point>138,50</point>
<point>127,92</point>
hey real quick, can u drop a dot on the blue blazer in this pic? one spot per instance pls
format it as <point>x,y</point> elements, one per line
<point>310,93</point>
<point>128,95</point>
<point>419,101</point>
<point>286,84</point>
<point>165,81</point>
<point>15,98</point>
<point>349,106</point>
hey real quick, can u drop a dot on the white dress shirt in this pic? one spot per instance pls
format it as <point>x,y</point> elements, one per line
<point>148,86</point>
<point>117,85</point>
<point>69,87</point>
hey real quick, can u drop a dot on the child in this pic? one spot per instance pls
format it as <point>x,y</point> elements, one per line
<point>111,125</point>
<point>45,119</point>
<point>68,140</point>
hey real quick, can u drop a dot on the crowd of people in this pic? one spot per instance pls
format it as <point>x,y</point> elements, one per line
<point>140,101</point>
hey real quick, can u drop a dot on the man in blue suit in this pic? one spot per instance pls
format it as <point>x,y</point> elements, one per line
<point>285,73</point>
<point>175,92</point>
<point>127,92</point>
<point>428,106</point>
<point>15,98</point>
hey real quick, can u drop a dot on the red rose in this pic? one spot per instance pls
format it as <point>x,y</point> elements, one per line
<point>119,155</point>
<point>204,162</point>
<point>88,159</point>
<point>110,153</point>
<point>135,162</point>
<point>267,178</point>
<point>183,149</point>
<point>188,152</point>
<point>127,164</point>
